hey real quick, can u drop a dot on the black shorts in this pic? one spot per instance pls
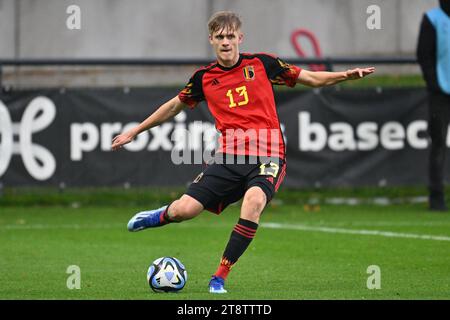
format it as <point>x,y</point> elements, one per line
<point>219,185</point>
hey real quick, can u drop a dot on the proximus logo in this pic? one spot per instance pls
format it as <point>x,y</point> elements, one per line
<point>38,161</point>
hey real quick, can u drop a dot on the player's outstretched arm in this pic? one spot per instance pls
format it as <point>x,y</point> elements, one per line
<point>165,112</point>
<point>325,78</point>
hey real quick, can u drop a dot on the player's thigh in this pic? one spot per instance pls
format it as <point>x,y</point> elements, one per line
<point>217,187</point>
<point>268,177</point>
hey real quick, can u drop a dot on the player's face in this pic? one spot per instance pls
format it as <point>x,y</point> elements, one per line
<point>225,43</point>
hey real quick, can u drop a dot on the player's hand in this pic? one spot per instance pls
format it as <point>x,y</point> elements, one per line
<point>119,141</point>
<point>359,73</point>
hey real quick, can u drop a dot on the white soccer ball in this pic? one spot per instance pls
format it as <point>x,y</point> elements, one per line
<point>166,274</point>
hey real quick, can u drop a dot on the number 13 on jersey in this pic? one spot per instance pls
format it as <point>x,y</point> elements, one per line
<point>242,92</point>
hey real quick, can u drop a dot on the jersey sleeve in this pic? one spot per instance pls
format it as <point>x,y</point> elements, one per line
<point>192,93</point>
<point>278,71</point>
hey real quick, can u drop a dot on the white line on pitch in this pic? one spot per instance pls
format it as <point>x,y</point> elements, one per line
<point>394,223</point>
<point>354,231</point>
<point>266,225</point>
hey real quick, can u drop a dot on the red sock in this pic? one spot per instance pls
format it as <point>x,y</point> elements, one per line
<point>224,268</point>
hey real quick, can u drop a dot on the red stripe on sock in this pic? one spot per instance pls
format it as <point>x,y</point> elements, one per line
<point>244,233</point>
<point>246,228</point>
<point>249,234</point>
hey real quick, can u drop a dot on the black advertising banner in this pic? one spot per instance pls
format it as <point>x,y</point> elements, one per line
<point>334,138</point>
<point>64,137</point>
<point>356,137</point>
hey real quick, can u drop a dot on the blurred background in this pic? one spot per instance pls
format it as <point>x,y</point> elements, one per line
<point>94,68</point>
<point>140,29</point>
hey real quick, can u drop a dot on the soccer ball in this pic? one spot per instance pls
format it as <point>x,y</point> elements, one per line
<point>166,274</point>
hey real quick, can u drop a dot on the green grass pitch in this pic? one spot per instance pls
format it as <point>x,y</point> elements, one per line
<point>296,254</point>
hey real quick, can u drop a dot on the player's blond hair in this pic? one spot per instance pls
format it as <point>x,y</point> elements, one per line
<point>224,20</point>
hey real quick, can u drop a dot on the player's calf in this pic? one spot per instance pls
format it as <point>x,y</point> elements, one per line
<point>184,208</point>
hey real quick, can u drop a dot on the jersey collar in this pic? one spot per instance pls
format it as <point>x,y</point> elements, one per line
<point>233,66</point>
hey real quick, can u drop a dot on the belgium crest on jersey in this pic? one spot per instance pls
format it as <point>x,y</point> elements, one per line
<point>249,73</point>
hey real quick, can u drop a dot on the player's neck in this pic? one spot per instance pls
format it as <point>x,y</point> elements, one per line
<point>229,63</point>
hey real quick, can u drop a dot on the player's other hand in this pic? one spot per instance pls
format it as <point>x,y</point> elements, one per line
<point>359,73</point>
<point>121,140</point>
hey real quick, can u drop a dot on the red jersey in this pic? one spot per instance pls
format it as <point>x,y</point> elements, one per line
<point>241,100</point>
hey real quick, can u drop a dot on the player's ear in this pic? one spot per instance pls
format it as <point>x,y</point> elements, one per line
<point>241,37</point>
<point>210,38</point>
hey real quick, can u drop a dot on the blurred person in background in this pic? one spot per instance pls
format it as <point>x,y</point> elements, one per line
<point>433,54</point>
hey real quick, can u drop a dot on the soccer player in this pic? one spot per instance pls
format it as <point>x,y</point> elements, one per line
<point>238,91</point>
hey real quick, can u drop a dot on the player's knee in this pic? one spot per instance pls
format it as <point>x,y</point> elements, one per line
<point>256,198</point>
<point>183,209</point>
